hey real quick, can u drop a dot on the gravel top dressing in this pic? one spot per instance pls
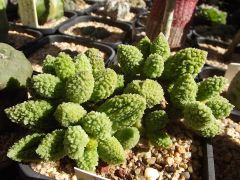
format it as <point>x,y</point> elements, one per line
<point>182,161</point>
<point>18,39</point>
<point>49,24</point>
<point>113,33</point>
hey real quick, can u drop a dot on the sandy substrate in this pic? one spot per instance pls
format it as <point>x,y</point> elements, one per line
<point>49,24</point>
<point>18,39</point>
<point>116,35</point>
<point>129,17</point>
<point>53,49</point>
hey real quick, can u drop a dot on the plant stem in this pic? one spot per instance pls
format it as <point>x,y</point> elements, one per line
<point>168,17</point>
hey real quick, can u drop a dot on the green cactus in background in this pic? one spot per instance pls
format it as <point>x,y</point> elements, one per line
<point>212,14</point>
<point>4,22</point>
<point>15,69</point>
<point>34,13</point>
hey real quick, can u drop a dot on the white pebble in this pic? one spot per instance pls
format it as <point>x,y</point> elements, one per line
<point>151,173</point>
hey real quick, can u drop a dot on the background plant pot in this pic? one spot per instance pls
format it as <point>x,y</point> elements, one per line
<point>208,170</point>
<point>141,18</point>
<point>36,34</point>
<point>63,38</point>
<point>124,26</point>
<point>46,31</point>
<point>210,71</point>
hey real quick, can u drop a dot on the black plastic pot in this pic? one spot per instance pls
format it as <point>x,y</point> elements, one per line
<point>203,40</point>
<point>208,160</point>
<point>125,26</point>
<point>139,22</point>
<point>26,173</point>
<point>210,71</point>
<point>208,172</point>
<point>63,38</point>
<point>47,31</point>
<point>34,33</point>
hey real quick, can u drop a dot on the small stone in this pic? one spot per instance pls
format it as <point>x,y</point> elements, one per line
<point>170,161</point>
<point>151,173</point>
<point>138,171</point>
<point>238,128</point>
<point>186,175</point>
<point>151,160</point>
<point>148,155</point>
<point>181,177</point>
<point>181,149</point>
<point>190,169</point>
<point>178,160</point>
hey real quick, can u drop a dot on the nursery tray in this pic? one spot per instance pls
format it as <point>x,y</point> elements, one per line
<point>32,32</point>
<point>124,26</point>
<point>208,171</point>
<point>63,38</point>
<point>47,31</point>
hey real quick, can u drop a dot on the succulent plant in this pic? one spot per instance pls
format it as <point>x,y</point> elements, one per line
<point>51,146</point>
<point>149,89</point>
<point>124,110</point>
<point>15,69</point>
<point>38,12</point>
<point>128,137</point>
<point>113,112</point>
<point>116,9</point>
<point>212,14</point>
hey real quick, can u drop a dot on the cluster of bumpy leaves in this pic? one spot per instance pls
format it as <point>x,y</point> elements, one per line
<point>96,112</point>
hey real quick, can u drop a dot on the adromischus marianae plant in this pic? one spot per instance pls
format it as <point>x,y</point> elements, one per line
<point>93,113</point>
